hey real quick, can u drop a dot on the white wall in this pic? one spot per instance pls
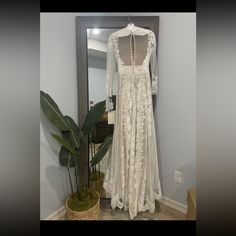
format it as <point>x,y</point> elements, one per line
<point>97,79</point>
<point>57,78</point>
<point>177,103</point>
<point>175,109</point>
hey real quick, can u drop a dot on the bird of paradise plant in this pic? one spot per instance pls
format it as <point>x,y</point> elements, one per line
<point>71,139</point>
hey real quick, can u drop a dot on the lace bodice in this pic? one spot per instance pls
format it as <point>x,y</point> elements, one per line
<point>131,49</point>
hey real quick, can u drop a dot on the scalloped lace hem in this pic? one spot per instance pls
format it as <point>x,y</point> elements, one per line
<point>116,201</point>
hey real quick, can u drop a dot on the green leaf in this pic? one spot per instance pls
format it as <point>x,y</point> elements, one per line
<point>52,111</point>
<point>74,132</point>
<point>66,158</point>
<point>93,116</point>
<point>66,135</point>
<point>64,143</point>
<point>102,150</point>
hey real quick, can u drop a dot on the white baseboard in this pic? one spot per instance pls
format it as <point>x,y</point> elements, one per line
<point>173,204</point>
<point>58,214</point>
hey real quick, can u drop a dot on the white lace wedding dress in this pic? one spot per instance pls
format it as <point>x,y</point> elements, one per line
<point>132,176</point>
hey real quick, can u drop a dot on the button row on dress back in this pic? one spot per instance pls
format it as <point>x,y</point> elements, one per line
<point>132,49</point>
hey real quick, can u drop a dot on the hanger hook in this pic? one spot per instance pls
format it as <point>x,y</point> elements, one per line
<point>129,19</point>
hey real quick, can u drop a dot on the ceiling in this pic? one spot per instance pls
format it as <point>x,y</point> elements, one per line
<point>97,53</point>
<point>102,36</point>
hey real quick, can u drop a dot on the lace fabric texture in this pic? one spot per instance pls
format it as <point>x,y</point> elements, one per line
<point>132,176</point>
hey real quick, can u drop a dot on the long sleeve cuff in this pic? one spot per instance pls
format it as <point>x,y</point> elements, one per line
<point>154,85</point>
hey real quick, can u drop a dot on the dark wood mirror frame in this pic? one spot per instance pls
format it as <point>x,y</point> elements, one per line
<point>106,22</point>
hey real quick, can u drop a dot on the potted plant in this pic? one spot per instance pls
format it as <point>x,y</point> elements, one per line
<point>83,203</point>
<point>96,176</point>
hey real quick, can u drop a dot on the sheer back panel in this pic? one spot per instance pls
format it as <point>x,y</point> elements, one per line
<point>125,49</point>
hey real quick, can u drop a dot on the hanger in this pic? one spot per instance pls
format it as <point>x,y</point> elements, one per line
<point>131,28</point>
<point>130,25</point>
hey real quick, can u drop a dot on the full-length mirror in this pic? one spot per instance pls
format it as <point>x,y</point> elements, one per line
<point>97,61</point>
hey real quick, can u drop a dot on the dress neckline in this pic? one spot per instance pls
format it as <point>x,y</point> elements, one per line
<point>131,29</point>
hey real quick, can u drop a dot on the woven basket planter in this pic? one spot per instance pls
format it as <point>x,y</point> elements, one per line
<point>91,214</point>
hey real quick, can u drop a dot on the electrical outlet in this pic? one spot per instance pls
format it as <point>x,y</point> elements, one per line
<point>178,176</point>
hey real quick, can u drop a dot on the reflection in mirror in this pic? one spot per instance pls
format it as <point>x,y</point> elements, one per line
<point>97,55</point>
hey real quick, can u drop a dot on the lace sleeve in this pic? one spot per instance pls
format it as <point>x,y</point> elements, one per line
<point>153,66</point>
<point>111,66</point>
